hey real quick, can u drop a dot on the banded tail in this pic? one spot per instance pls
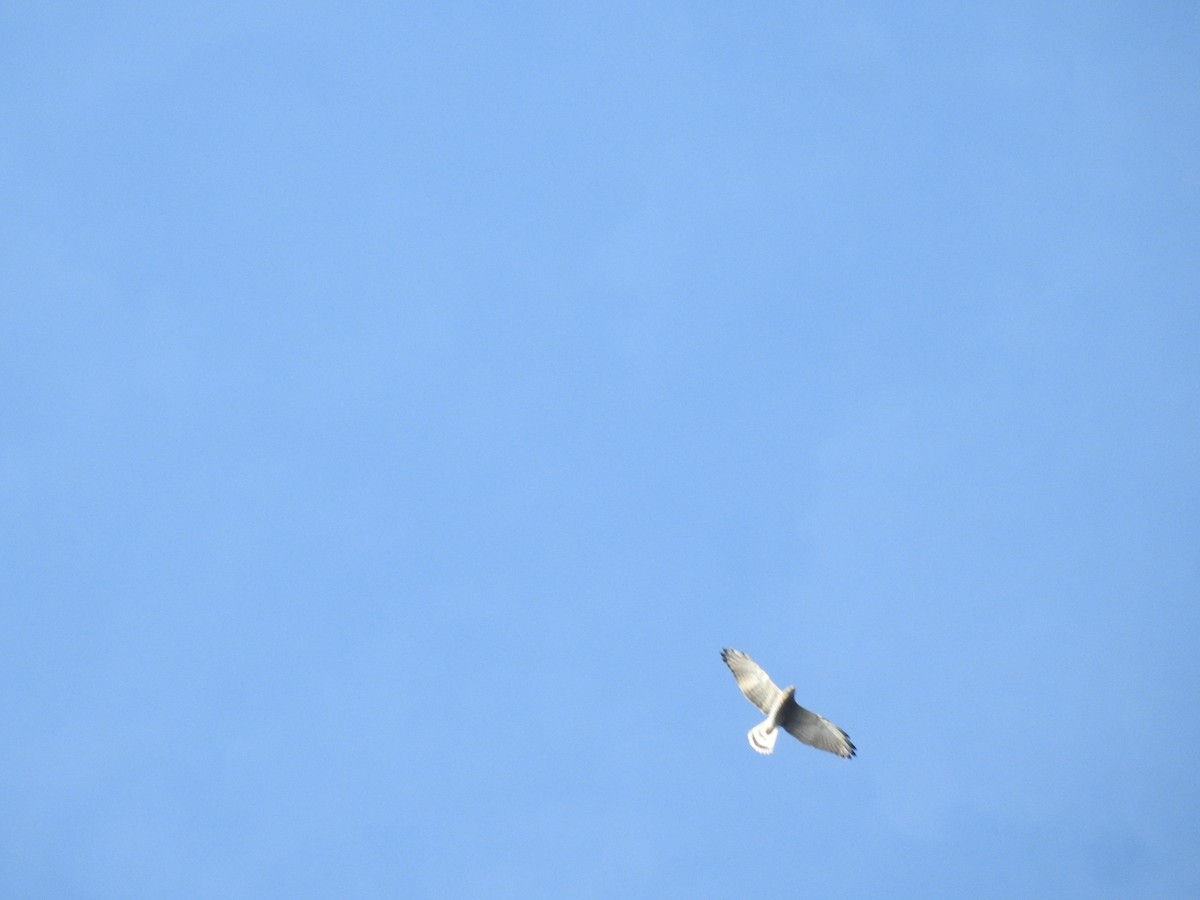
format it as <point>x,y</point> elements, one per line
<point>762,738</point>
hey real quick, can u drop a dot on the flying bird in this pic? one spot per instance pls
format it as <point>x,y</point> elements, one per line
<point>782,711</point>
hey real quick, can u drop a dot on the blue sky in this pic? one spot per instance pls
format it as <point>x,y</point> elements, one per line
<point>404,404</point>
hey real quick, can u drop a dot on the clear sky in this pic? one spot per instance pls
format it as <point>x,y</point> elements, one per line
<point>401,405</point>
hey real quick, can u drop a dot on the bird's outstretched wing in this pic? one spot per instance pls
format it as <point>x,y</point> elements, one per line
<point>754,682</point>
<point>816,731</point>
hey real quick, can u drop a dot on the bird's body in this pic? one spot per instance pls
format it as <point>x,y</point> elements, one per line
<point>782,711</point>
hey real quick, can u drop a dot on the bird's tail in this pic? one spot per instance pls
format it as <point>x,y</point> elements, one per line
<point>762,740</point>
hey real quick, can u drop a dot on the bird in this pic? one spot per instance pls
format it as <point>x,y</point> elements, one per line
<point>782,711</point>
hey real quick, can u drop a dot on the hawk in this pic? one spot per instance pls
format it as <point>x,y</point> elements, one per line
<point>782,711</point>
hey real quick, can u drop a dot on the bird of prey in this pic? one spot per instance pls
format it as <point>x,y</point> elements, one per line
<point>782,711</point>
